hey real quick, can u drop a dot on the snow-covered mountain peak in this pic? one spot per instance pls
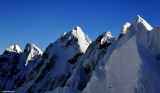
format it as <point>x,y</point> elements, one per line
<point>14,48</point>
<point>77,31</point>
<point>78,28</point>
<point>32,51</point>
<point>106,36</point>
<point>140,20</point>
<point>125,27</point>
<point>75,36</point>
<point>32,48</point>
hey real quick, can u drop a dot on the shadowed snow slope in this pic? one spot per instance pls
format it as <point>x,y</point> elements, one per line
<point>13,65</point>
<point>132,64</point>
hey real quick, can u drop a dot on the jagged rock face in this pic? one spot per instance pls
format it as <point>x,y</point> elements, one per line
<point>57,61</point>
<point>8,66</point>
<point>13,69</point>
<point>89,61</point>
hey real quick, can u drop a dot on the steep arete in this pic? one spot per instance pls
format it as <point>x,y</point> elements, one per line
<point>140,23</point>
<point>131,65</point>
<point>57,61</point>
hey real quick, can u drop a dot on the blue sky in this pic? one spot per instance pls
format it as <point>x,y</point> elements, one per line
<point>43,21</point>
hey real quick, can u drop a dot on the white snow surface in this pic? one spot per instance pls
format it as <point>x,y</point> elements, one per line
<point>107,36</point>
<point>14,48</point>
<point>143,22</point>
<point>131,66</point>
<point>125,27</point>
<point>33,51</point>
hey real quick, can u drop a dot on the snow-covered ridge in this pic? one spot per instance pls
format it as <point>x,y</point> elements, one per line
<point>131,63</point>
<point>71,64</point>
<point>140,23</point>
<point>58,61</point>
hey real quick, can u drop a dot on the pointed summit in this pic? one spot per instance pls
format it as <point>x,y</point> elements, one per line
<point>125,27</point>
<point>14,48</point>
<point>77,31</point>
<point>77,28</point>
<point>140,20</point>
<point>75,36</point>
<point>106,36</point>
<point>32,48</point>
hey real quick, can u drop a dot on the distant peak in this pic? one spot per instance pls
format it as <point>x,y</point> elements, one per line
<point>108,33</point>
<point>77,31</point>
<point>14,48</point>
<point>30,46</point>
<point>106,36</point>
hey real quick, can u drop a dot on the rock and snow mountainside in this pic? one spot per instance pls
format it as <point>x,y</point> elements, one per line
<point>57,62</point>
<point>72,64</point>
<point>89,61</point>
<point>132,65</point>
<point>12,65</point>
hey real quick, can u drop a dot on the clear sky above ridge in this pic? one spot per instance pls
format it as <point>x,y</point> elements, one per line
<point>43,21</point>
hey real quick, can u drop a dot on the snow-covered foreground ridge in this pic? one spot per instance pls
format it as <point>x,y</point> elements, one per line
<point>74,64</point>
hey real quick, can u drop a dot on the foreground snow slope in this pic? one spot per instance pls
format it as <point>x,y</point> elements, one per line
<point>132,65</point>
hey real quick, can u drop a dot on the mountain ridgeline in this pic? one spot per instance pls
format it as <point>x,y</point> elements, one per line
<point>74,64</point>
